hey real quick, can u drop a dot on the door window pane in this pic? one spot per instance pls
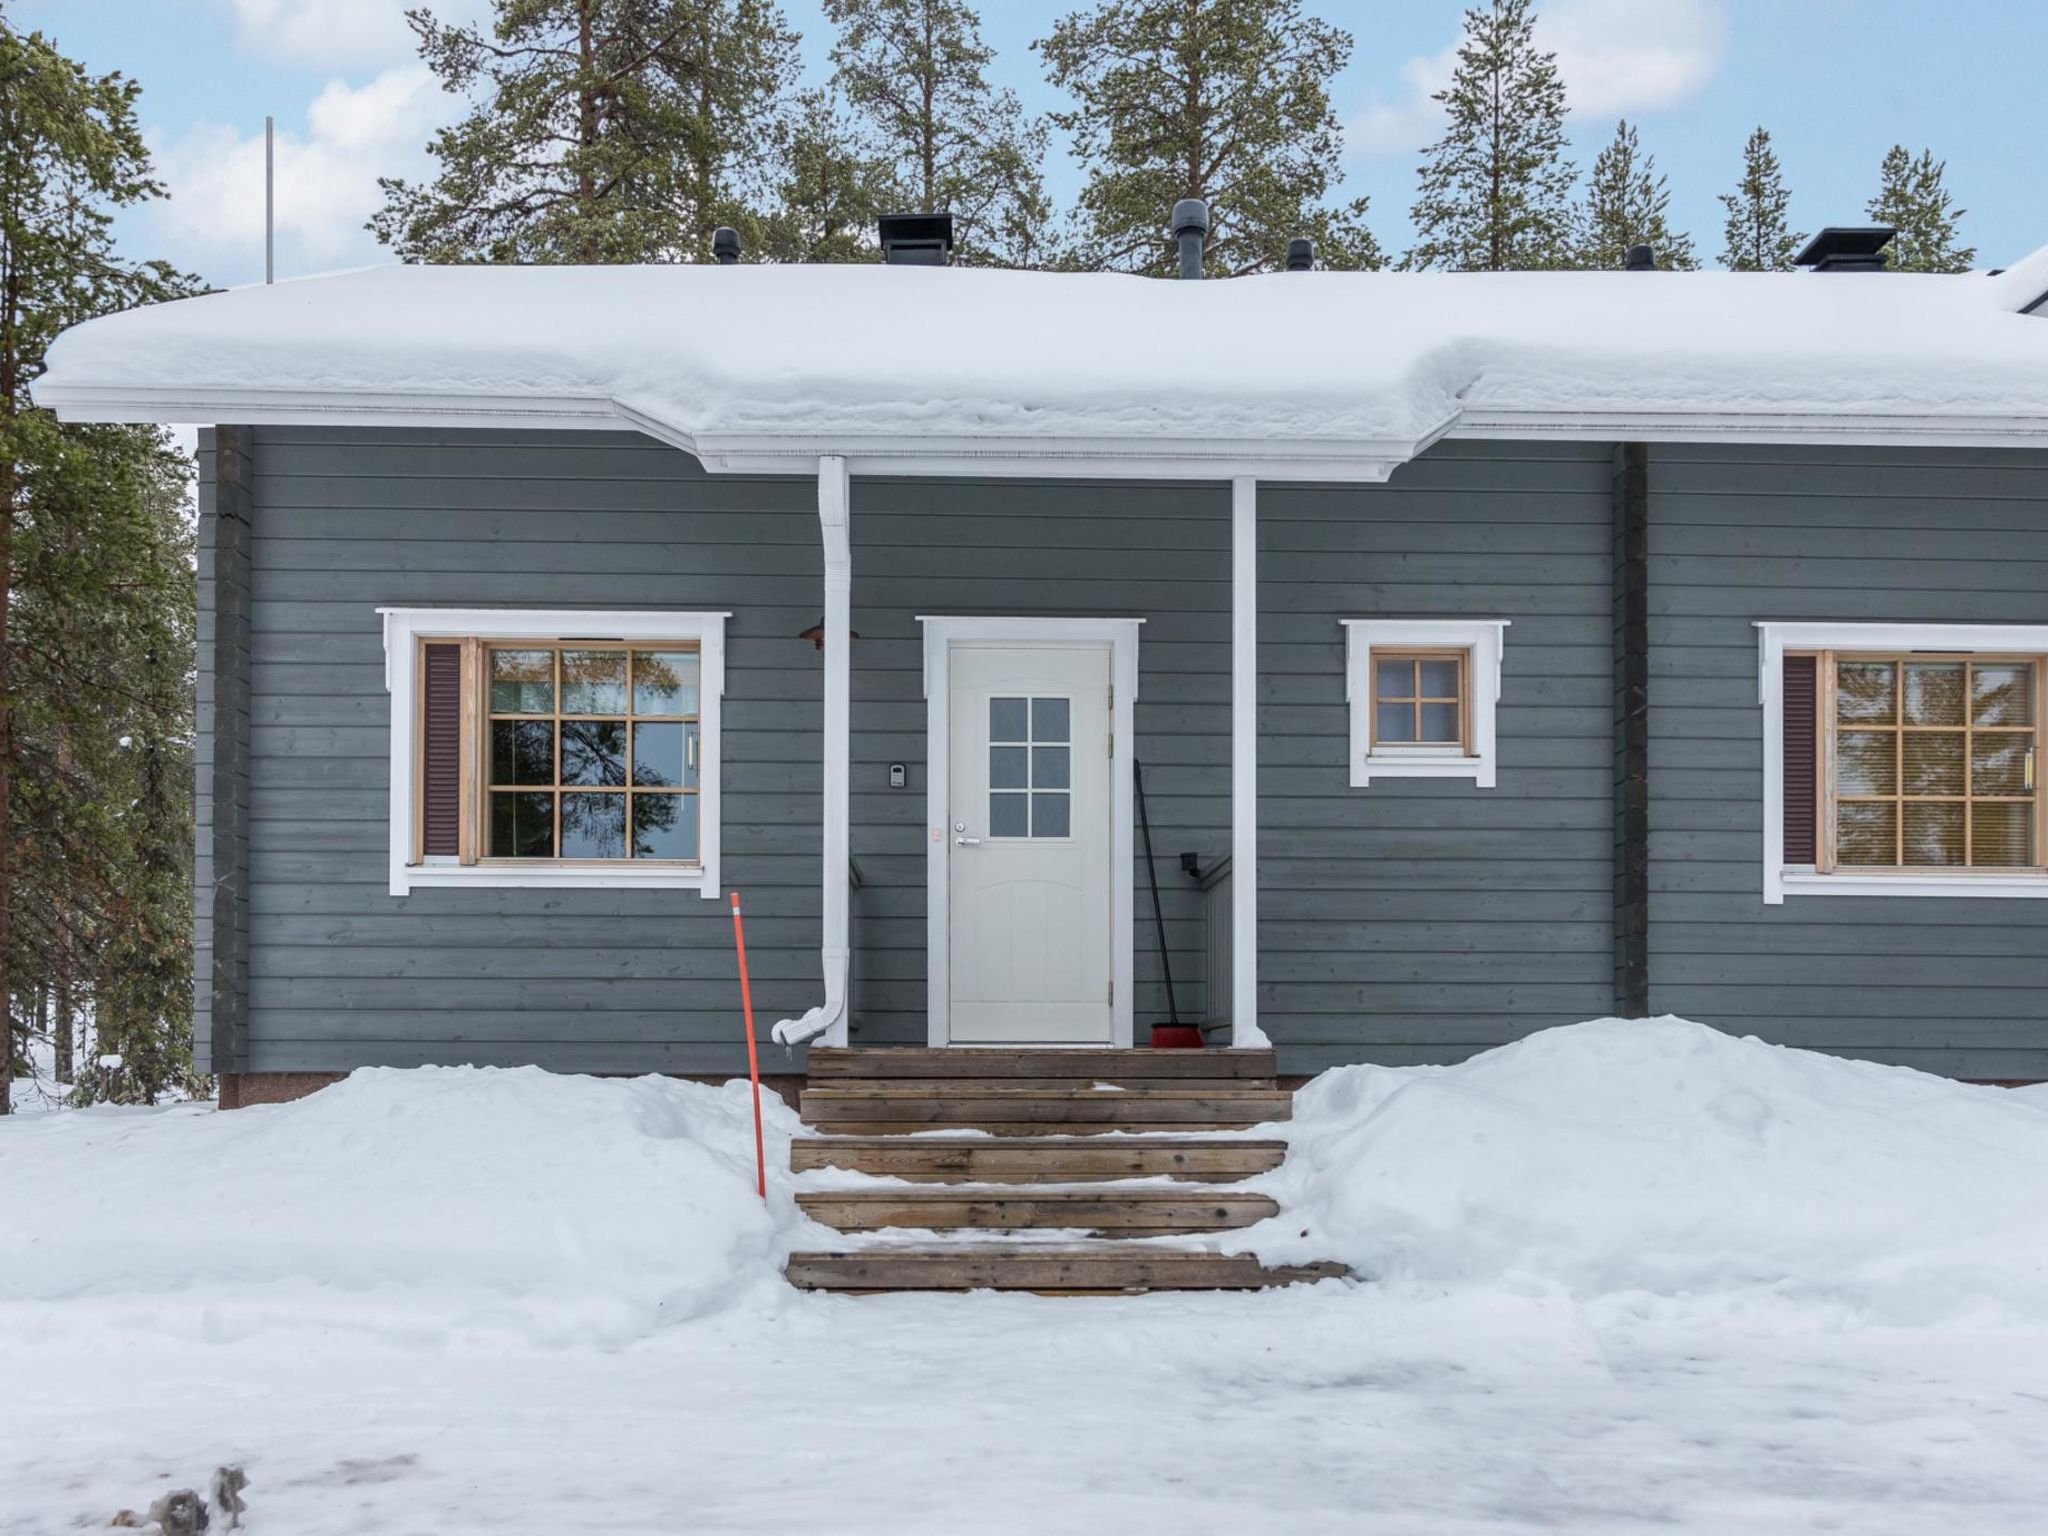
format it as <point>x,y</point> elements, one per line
<point>1049,768</point>
<point>522,826</point>
<point>593,682</point>
<point>1049,720</point>
<point>593,752</point>
<point>522,682</point>
<point>593,826</point>
<point>1009,815</point>
<point>1009,719</point>
<point>665,682</point>
<point>664,826</point>
<point>1009,767</point>
<point>1049,815</point>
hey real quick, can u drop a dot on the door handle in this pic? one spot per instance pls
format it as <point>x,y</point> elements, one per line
<point>967,842</point>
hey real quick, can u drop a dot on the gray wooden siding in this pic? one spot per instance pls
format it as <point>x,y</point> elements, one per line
<point>1420,921</point>
<point>1739,535</point>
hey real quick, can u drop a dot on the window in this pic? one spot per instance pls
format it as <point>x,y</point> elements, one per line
<point>1904,759</point>
<point>550,748</point>
<point>1422,695</point>
<point>1030,778</point>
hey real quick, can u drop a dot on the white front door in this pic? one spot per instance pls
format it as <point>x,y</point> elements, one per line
<point>1029,834</point>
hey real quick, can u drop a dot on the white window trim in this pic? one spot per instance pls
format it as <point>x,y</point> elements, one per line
<point>1773,641</point>
<point>1484,639</point>
<point>404,627</point>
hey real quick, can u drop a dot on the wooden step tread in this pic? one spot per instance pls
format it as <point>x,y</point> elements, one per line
<point>1009,1130</point>
<point>840,1062</point>
<point>1104,1268</point>
<point>1038,1159</point>
<point>1132,1212</point>
<point>954,1087</point>
<point>940,1107</point>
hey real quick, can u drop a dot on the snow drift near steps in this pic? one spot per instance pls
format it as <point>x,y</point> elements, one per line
<point>1666,1157</point>
<point>566,1209</point>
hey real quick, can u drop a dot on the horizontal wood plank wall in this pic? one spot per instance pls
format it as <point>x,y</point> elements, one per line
<point>1746,534</point>
<point>342,973</point>
<point>1422,920</point>
<point>1158,552</point>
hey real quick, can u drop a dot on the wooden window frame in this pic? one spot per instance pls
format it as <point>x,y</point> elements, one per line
<point>479,717</point>
<point>1919,640</point>
<point>407,630</point>
<point>1460,657</point>
<point>1478,645</point>
<point>1830,728</point>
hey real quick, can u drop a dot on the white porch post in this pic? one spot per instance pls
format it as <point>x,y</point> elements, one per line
<point>827,1023</point>
<point>1244,763</point>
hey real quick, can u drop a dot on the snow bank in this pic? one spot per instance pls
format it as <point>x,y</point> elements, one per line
<point>863,358</point>
<point>1666,1157</point>
<point>427,1202</point>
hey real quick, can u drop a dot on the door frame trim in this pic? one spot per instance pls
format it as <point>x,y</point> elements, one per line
<point>941,634</point>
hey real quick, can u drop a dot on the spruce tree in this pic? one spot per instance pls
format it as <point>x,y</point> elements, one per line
<point>96,601</point>
<point>1224,100</point>
<point>1496,188</point>
<point>915,73</point>
<point>599,131</point>
<point>830,193</point>
<point>1912,200</point>
<point>1627,203</point>
<point>1757,237</point>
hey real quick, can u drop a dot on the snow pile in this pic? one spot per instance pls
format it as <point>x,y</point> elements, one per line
<point>1665,1157</point>
<point>427,1202</point>
<point>862,357</point>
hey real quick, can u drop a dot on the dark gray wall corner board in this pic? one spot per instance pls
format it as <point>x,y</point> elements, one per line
<point>222,786</point>
<point>1632,730</point>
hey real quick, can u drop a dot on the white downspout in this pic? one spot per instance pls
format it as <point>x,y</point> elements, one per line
<point>829,1019</point>
<point>1244,763</point>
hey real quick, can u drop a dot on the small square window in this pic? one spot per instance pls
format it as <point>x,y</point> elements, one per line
<point>1422,695</point>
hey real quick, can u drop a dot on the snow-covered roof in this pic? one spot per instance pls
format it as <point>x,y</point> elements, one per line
<point>1303,375</point>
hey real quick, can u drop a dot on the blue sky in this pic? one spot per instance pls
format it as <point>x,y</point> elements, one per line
<point>1836,81</point>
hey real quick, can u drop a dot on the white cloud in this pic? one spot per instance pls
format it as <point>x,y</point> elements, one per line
<point>329,33</point>
<point>1615,56</point>
<point>1633,56</point>
<point>326,177</point>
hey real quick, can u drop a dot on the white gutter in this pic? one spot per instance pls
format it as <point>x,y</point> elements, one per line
<point>829,1018</point>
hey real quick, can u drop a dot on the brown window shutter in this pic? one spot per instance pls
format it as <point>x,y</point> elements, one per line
<point>441,753</point>
<point>1802,759</point>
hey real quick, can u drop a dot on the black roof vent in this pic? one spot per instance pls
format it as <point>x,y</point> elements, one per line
<point>725,245</point>
<point>1301,255</point>
<point>1640,258</point>
<point>917,239</point>
<point>1855,248</point>
<point>1190,229</point>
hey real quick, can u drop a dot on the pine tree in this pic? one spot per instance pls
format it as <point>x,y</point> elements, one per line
<point>1912,200</point>
<point>1628,203</point>
<point>1496,189</point>
<point>831,192</point>
<point>95,599</point>
<point>1757,237</point>
<point>915,73</point>
<point>1224,100</point>
<point>600,131</point>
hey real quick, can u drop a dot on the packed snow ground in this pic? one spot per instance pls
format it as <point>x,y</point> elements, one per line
<point>1631,1277</point>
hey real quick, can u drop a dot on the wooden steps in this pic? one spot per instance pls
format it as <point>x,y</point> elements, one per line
<point>1109,1269</point>
<point>887,1106</point>
<point>1040,1159</point>
<point>1126,1213</point>
<point>1057,1130</point>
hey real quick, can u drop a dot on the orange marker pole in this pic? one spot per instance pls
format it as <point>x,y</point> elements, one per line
<point>739,939</point>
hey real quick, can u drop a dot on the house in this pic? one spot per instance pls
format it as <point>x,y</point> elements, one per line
<point>1497,650</point>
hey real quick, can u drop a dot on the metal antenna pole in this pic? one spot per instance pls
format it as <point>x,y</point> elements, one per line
<point>269,199</point>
